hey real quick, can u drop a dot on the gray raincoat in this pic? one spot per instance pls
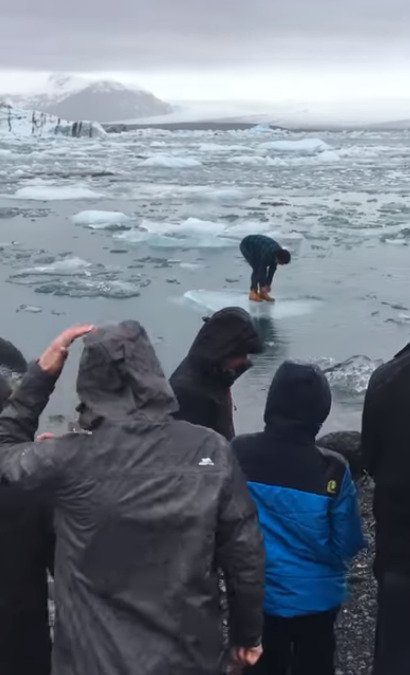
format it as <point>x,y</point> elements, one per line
<point>146,509</point>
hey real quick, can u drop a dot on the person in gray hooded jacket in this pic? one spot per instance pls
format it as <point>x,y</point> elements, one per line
<point>146,509</point>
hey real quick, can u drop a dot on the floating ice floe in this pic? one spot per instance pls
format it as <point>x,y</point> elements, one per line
<point>214,147</point>
<point>191,267</point>
<point>307,146</point>
<point>72,276</point>
<point>351,375</point>
<point>256,160</point>
<point>327,156</point>
<point>65,267</point>
<point>56,193</point>
<point>163,161</point>
<point>226,195</point>
<point>198,233</point>
<point>188,226</point>
<point>183,241</point>
<point>213,301</point>
<point>191,233</point>
<point>90,288</point>
<point>262,129</point>
<point>31,309</point>
<point>102,220</point>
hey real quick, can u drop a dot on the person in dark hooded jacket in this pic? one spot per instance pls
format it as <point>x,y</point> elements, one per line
<point>386,444</point>
<point>309,516</point>
<point>147,508</point>
<point>218,356</point>
<point>27,552</point>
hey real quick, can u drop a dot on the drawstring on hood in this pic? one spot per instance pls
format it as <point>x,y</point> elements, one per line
<point>120,376</point>
<point>300,397</point>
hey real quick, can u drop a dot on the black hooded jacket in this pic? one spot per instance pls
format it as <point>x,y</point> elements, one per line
<point>305,496</point>
<point>147,508</point>
<point>386,448</point>
<point>26,541</point>
<point>26,552</point>
<point>201,386</point>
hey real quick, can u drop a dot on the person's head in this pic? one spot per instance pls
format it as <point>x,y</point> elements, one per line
<point>283,257</point>
<point>120,377</point>
<point>299,398</point>
<point>223,344</point>
<point>11,358</point>
<point>13,366</point>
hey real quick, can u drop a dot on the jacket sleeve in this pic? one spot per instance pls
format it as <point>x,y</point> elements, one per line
<point>19,419</point>
<point>241,556</point>
<point>33,464</point>
<point>346,538</point>
<point>370,434</point>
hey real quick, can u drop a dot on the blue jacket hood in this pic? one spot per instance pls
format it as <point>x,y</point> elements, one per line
<point>299,396</point>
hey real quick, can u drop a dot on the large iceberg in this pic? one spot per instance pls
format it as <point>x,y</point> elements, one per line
<point>23,123</point>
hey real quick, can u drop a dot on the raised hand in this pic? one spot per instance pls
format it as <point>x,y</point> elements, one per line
<point>53,359</point>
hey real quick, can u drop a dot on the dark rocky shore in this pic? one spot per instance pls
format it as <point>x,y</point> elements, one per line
<point>356,624</point>
<point>357,619</point>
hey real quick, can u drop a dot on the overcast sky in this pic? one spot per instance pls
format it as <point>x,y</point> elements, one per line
<point>212,47</point>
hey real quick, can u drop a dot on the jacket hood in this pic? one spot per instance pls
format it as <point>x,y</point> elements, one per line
<point>299,396</point>
<point>229,332</point>
<point>11,358</point>
<point>403,351</point>
<point>120,376</point>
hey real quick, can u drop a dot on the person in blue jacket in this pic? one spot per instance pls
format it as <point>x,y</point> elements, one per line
<point>263,254</point>
<point>308,512</point>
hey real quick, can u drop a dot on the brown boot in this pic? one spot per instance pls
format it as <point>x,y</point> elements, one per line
<point>254,296</point>
<point>264,294</point>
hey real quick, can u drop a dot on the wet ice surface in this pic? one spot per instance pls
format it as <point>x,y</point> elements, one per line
<point>146,225</point>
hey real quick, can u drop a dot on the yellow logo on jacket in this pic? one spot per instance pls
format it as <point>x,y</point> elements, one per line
<point>332,487</point>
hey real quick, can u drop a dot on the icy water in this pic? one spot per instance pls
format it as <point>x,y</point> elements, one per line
<point>146,225</point>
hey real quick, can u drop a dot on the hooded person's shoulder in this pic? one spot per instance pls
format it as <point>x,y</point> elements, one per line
<point>67,452</point>
<point>392,374</point>
<point>206,448</point>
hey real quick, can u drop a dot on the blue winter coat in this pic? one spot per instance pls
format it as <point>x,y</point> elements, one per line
<point>305,496</point>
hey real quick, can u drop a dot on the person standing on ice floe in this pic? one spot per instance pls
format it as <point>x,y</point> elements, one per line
<point>263,254</point>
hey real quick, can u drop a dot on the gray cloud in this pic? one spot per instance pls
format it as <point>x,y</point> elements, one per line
<point>151,34</point>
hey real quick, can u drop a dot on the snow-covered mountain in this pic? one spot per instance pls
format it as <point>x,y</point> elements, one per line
<point>74,97</point>
<point>23,123</point>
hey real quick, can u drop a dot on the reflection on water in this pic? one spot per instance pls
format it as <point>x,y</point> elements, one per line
<point>275,345</point>
<point>251,390</point>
